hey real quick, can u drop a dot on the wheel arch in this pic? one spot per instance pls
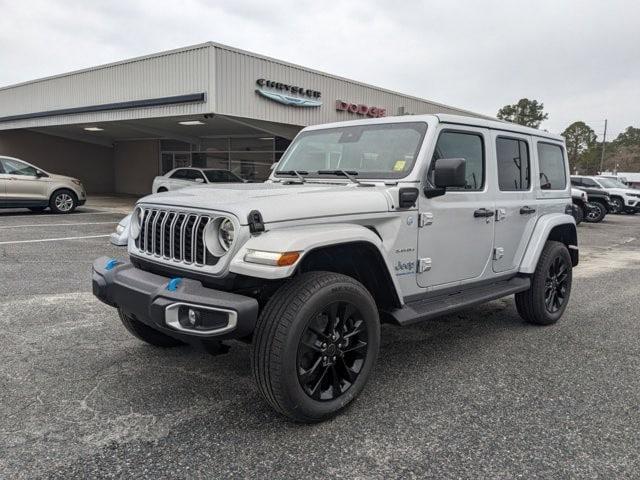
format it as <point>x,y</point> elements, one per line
<point>556,226</point>
<point>359,260</point>
<point>352,250</point>
<point>58,188</point>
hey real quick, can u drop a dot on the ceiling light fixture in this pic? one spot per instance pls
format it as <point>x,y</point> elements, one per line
<point>93,129</point>
<point>191,122</point>
<point>265,138</point>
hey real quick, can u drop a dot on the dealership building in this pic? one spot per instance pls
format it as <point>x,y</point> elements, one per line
<point>117,126</point>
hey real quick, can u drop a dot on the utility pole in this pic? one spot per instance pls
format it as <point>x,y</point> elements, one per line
<point>604,143</point>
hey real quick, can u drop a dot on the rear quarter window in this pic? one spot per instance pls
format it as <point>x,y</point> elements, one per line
<point>552,166</point>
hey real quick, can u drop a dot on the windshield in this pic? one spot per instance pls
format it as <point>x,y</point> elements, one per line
<point>609,183</point>
<point>370,151</point>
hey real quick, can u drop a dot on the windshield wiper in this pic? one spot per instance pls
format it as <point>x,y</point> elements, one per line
<point>345,173</point>
<point>297,173</point>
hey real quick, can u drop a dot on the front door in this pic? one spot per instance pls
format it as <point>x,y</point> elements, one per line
<point>516,210</point>
<point>456,238</point>
<point>22,183</point>
<point>3,182</point>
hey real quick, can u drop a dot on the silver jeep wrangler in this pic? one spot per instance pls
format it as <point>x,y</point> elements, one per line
<point>394,220</point>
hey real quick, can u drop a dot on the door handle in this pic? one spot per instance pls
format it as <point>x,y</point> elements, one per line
<point>527,210</point>
<point>483,212</point>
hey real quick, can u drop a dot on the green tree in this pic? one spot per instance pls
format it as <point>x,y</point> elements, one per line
<point>630,137</point>
<point>579,137</point>
<point>526,112</point>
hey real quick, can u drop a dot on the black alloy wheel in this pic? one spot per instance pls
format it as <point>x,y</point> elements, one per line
<point>556,284</point>
<point>595,212</point>
<point>332,351</point>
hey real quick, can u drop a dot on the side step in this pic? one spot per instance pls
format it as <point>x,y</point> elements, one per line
<point>445,303</point>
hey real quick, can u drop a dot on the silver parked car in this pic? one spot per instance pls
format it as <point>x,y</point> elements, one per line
<point>396,220</point>
<point>188,176</point>
<point>25,185</point>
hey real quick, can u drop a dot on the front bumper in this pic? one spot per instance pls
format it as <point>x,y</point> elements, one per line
<point>150,300</point>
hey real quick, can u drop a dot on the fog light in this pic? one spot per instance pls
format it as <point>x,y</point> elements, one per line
<point>194,316</point>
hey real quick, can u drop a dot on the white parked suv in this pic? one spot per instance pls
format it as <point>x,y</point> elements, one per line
<point>623,198</point>
<point>188,176</point>
<point>23,185</point>
<point>396,219</point>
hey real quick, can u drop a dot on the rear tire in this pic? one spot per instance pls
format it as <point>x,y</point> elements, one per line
<point>145,333</point>
<point>315,344</point>
<point>547,298</point>
<point>63,201</point>
<point>595,213</point>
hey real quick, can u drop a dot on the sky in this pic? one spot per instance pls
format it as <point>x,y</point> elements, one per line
<point>581,58</point>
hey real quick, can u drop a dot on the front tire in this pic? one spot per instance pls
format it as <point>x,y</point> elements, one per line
<point>147,334</point>
<point>547,298</point>
<point>315,344</point>
<point>596,212</point>
<point>63,201</point>
<point>617,205</point>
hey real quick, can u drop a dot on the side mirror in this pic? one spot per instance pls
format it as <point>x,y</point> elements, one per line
<point>199,180</point>
<point>40,173</point>
<point>447,172</point>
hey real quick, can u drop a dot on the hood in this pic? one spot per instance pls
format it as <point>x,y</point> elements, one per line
<point>278,202</point>
<point>55,176</point>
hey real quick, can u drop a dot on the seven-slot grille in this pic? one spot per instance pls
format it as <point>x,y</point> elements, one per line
<point>177,236</point>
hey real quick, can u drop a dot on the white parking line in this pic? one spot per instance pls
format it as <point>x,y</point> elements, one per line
<point>58,225</point>
<point>53,239</point>
<point>75,214</point>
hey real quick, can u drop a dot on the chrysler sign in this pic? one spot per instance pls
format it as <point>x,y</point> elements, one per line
<point>287,94</point>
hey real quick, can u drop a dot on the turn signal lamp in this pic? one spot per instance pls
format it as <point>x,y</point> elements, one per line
<point>276,259</point>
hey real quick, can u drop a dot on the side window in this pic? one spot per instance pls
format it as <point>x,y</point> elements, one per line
<point>576,182</point>
<point>587,182</point>
<point>192,175</point>
<point>13,167</point>
<point>179,174</point>
<point>463,145</point>
<point>513,164</point>
<point>552,170</point>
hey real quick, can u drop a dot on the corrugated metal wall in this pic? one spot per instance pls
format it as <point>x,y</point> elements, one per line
<point>228,77</point>
<point>235,81</point>
<point>174,73</point>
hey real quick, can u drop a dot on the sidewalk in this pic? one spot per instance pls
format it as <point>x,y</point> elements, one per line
<point>116,203</point>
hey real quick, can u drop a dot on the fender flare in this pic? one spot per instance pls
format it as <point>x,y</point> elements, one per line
<point>540,235</point>
<point>305,239</point>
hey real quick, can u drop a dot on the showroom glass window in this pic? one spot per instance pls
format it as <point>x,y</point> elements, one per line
<point>552,169</point>
<point>467,145</point>
<point>513,164</point>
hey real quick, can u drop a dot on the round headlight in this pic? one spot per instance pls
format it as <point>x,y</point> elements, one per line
<point>219,235</point>
<point>226,234</point>
<point>135,224</point>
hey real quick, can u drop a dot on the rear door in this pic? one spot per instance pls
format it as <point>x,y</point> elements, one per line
<point>516,209</point>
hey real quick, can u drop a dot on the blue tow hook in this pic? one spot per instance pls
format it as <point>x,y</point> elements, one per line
<point>111,264</point>
<point>173,284</point>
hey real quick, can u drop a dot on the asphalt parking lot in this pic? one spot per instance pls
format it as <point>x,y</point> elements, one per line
<point>479,394</point>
